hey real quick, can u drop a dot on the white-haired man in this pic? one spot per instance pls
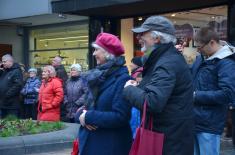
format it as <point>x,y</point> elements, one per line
<point>61,74</point>
<point>166,86</point>
<point>59,68</point>
<point>11,81</point>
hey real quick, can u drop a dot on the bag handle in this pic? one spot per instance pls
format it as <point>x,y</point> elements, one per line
<point>143,121</point>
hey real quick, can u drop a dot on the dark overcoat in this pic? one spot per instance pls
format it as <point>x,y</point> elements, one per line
<point>11,82</point>
<point>167,88</point>
<point>111,115</point>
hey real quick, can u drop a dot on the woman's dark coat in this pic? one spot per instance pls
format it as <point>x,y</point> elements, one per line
<point>111,114</point>
<point>76,90</point>
<point>167,88</point>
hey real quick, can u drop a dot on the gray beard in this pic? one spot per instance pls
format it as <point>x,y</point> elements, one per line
<point>143,49</point>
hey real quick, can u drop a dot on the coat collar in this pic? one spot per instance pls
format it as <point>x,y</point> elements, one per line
<point>222,53</point>
<point>157,52</point>
<point>112,78</point>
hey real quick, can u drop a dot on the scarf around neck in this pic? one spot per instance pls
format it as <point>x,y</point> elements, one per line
<point>97,76</point>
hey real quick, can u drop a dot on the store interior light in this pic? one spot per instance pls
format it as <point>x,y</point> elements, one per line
<point>173,15</point>
<point>68,41</point>
<point>64,38</point>
<point>46,44</point>
<point>213,17</point>
<point>140,19</point>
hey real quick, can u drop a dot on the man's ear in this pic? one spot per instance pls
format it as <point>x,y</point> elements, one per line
<point>212,42</point>
<point>157,40</point>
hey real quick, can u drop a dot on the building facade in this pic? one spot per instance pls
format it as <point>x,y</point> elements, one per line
<point>68,27</point>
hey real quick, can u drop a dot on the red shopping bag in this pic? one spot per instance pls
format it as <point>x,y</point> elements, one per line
<point>75,150</point>
<point>147,142</point>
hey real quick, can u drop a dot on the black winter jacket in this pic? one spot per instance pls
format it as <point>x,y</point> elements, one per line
<point>61,73</point>
<point>167,88</point>
<point>11,82</point>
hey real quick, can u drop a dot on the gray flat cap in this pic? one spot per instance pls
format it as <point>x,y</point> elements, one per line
<point>156,23</point>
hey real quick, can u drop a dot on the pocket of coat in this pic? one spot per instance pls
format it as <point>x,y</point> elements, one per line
<point>47,107</point>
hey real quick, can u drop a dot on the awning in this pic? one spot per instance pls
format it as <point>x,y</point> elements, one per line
<point>128,8</point>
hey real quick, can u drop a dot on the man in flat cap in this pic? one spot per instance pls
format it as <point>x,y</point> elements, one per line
<point>166,86</point>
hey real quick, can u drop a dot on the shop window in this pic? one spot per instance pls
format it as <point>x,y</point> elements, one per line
<point>188,22</point>
<point>5,49</point>
<point>68,42</point>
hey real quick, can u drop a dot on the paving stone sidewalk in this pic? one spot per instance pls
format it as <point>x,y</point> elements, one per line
<point>227,148</point>
<point>61,152</point>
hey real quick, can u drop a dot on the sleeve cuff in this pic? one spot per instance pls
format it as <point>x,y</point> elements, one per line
<point>88,117</point>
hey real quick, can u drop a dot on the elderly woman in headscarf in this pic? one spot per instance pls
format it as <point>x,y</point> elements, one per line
<point>105,128</point>
<point>50,95</point>
<point>76,90</point>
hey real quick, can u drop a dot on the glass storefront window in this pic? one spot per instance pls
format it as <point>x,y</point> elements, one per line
<point>188,22</point>
<point>68,42</point>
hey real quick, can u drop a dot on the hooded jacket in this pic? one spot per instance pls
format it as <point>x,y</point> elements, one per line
<point>11,81</point>
<point>30,90</point>
<point>50,97</point>
<point>214,86</point>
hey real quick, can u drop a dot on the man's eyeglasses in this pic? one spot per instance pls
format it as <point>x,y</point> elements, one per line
<point>201,46</point>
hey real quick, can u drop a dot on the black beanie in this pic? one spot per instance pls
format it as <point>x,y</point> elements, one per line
<point>137,61</point>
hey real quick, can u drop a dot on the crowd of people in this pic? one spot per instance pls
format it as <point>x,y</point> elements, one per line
<point>188,104</point>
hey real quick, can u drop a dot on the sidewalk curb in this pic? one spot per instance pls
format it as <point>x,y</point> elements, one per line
<point>38,143</point>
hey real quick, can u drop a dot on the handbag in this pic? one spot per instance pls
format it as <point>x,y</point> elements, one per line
<point>147,142</point>
<point>75,150</point>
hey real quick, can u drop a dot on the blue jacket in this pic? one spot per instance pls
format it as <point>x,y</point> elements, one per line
<point>214,85</point>
<point>111,114</point>
<point>30,90</point>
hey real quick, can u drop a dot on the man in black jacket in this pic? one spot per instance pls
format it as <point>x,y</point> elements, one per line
<point>59,68</point>
<point>166,86</point>
<point>11,81</point>
<point>62,74</point>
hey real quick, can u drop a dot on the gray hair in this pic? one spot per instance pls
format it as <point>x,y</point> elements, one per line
<point>164,37</point>
<point>78,67</point>
<point>51,70</point>
<point>33,70</point>
<point>8,57</point>
<point>108,55</point>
